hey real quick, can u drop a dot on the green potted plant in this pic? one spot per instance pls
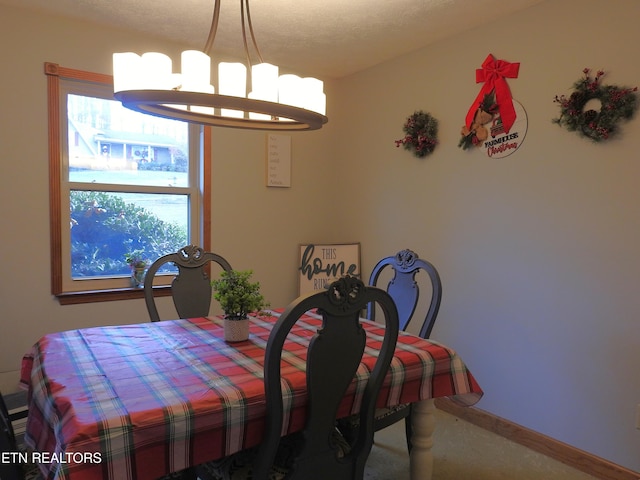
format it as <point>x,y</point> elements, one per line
<point>138,265</point>
<point>238,297</point>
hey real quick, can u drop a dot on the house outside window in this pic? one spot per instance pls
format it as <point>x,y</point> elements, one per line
<point>122,182</point>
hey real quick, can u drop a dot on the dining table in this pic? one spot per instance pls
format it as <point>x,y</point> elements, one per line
<point>140,401</point>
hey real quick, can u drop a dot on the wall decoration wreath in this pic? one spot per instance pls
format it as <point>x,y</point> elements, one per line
<point>421,134</point>
<point>493,109</point>
<point>616,104</point>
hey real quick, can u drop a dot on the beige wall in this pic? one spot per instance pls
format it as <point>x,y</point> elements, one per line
<point>537,251</point>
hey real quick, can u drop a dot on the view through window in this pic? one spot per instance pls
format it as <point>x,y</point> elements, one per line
<point>122,184</point>
<point>128,186</point>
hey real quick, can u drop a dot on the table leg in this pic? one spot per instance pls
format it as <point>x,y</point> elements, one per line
<point>423,424</point>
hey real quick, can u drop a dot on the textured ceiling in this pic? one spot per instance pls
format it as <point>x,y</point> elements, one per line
<point>325,38</point>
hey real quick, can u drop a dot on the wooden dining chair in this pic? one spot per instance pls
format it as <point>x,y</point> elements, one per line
<point>334,354</point>
<point>404,288</point>
<point>191,287</point>
<point>405,291</point>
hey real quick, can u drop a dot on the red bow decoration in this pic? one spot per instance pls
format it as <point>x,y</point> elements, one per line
<point>493,74</point>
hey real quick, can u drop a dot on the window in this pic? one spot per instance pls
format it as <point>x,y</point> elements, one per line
<point>120,182</point>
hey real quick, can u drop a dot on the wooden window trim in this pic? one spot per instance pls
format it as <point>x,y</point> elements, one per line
<point>54,72</point>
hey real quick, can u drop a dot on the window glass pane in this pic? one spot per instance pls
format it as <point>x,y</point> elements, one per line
<point>127,181</point>
<point>112,144</point>
<point>107,225</point>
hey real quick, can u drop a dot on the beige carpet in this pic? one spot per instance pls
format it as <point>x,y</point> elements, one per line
<point>463,451</point>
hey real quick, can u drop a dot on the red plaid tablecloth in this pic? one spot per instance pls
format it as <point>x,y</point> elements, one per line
<point>140,401</point>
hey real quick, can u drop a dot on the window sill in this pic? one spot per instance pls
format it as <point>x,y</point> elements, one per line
<point>95,296</point>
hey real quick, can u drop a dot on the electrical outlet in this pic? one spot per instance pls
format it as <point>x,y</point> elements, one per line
<point>638,417</point>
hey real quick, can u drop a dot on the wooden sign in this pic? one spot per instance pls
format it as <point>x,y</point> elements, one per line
<point>320,265</point>
<point>278,160</point>
<point>500,144</point>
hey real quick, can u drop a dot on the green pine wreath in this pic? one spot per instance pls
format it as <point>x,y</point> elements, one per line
<point>421,134</point>
<point>617,103</point>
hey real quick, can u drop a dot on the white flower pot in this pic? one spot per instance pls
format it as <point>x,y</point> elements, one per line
<point>236,330</point>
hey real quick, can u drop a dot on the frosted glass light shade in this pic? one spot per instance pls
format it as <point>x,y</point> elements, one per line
<point>156,71</point>
<point>196,71</point>
<point>127,72</point>
<point>264,82</point>
<point>264,86</point>
<point>290,90</point>
<point>317,103</point>
<point>232,80</point>
<point>314,98</point>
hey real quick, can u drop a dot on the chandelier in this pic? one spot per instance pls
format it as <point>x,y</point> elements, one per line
<point>146,83</point>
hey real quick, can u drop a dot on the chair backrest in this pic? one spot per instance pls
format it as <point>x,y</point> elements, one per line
<point>405,291</point>
<point>333,357</point>
<point>191,287</point>
<point>8,470</point>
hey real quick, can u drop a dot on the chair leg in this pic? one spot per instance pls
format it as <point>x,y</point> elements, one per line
<point>408,431</point>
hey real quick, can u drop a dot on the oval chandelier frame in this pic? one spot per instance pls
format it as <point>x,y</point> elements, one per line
<point>171,104</point>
